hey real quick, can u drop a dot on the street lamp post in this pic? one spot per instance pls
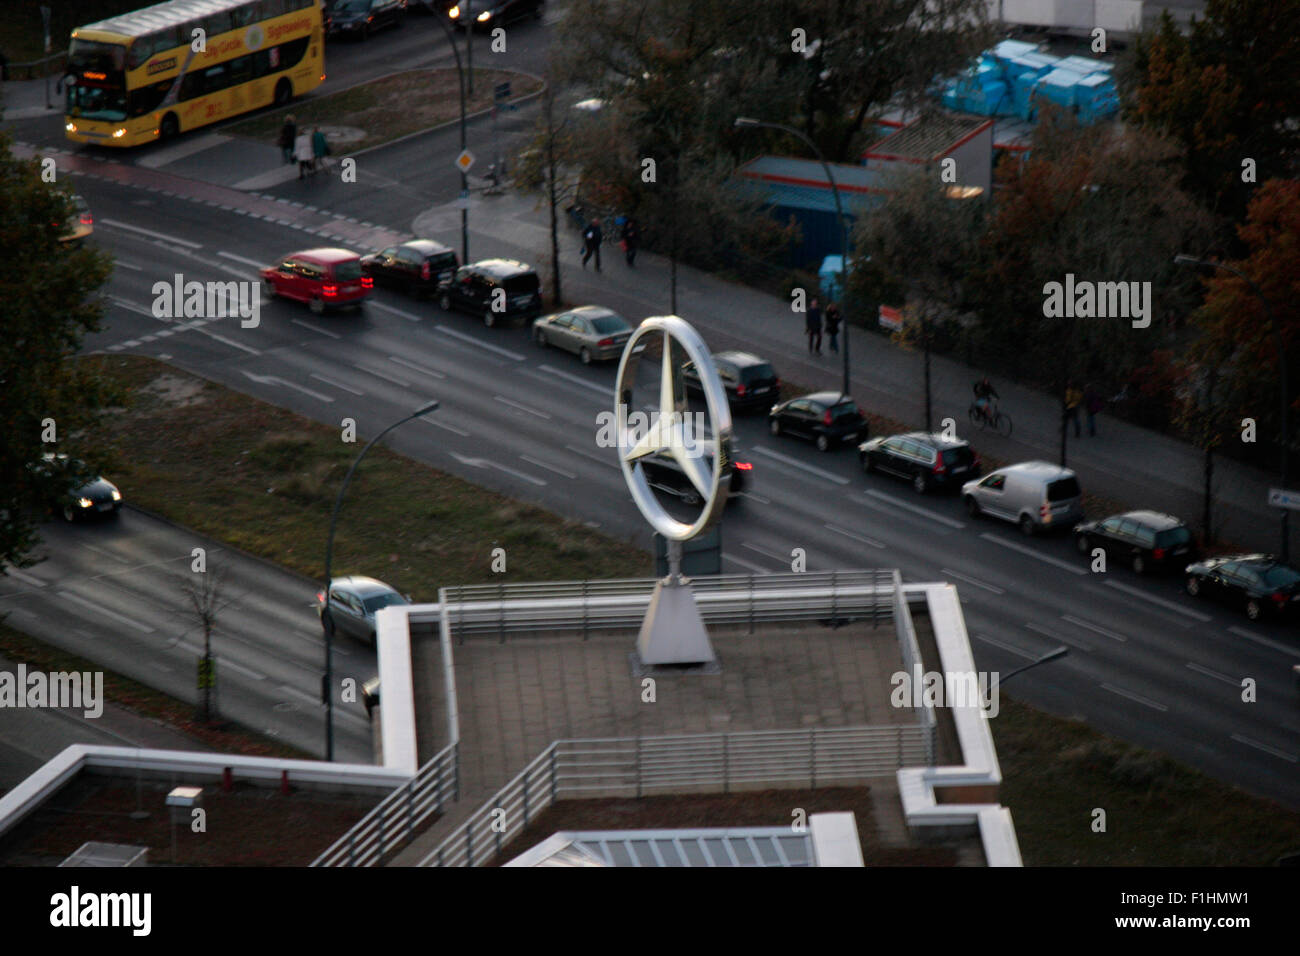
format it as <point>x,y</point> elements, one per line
<point>440,18</point>
<point>326,616</point>
<point>747,122</point>
<point>1183,259</point>
<point>1049,656</point>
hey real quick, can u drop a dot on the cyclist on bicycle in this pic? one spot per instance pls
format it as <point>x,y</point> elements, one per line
<point>984,391</point>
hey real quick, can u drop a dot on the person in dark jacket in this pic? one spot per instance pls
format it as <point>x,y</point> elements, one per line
<point>833,326</point>
<point>1092,404</point>
<point>592,239</point>
<point>288,134</point>
<point>814,325</point>
<point>631,238</point>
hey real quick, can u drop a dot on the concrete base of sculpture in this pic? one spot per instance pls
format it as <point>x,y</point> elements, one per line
<point>673,631</point>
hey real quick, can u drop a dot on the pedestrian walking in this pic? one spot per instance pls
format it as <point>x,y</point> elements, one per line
<point>320,148</point>
<point>1092,404</point>
<point>630,239</point>
<point>1073,399</point>
<point>833,326</point>
<point>302,151</point>
<point>592,239</point>
<point>288,133</point>
<point>814,326</point>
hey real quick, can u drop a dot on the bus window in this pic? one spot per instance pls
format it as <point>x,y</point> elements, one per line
<point>243,16</point>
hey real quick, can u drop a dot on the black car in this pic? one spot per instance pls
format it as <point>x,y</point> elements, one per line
<point>488,14</point>
<point>749,380</point>
<point>827,418</point>
<point>420,267</point>
<point>494,289</point>
<point>663,472</point>
<point>926,460</point>
<point>1145,539</point>
<point>88,496</point>
<point>357,18</point>
<point>1258,583</point>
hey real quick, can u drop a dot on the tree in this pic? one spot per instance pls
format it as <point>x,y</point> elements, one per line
<point>543,164</point>
<point>48,401</point>
<point>204,591</point>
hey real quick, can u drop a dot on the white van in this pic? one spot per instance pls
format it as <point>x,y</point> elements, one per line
<point>1036,495</point>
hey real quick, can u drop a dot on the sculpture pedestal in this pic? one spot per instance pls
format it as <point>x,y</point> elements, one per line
<point>673,631</point>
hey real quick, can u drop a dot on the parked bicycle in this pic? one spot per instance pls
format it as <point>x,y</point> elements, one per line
<point>990,416</point>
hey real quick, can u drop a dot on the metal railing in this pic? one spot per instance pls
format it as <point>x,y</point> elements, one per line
<point>643,766</point>
<point>838,596</point>
<point>392,824</point>
<point>910,650</point>
<point>33,69</point>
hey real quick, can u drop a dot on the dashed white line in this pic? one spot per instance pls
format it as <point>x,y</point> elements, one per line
<point>608,462</point>
<point>969,580</point>
<point>908,506</point>
<point>608,393</point>
<point>445,427</point>
<point>1009,648</point>
<point>1136,698</point>
<point>745,564</point>
<point>415,367</point>
<point>1030,552</point>
<point>162,237</point>
<point>795,463</point>
<point>856,537</point>
<point>26,578</point>
<point>410,317</point>
<point>1079,622</point>
<point>105,554</point>
<point>316,328</point>
<point>340,385</point>
<point>469,339</point>
<point>225,341</point>
<point>779,558</point>
<point>1179,609</point>
<point>521,407</point>
<point>401,383</point>
<point>1264,641</point>
<point>542,464</point>
<point>259,266</point>
<point>1072,641</point>
<point>102,611</point>
<point>1193,666</point>
<point>1265,747</point>
<point>129,265</point>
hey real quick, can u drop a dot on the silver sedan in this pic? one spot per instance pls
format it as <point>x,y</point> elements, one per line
<point>591,332</point>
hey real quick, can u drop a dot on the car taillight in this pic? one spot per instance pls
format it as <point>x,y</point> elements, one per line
<point>424,272</point>
<point>87,220</point>
<point>367,282</point>
<point>1158,554</point>
<point>604,342</point>
<point>330,291</point>
<point>1279,597</point>
<point>1044,510</point>
<point>742,466</point>
<point>939,468</point>
<point>320,597</point>
<point>740,389</point>
<point>826,419</point>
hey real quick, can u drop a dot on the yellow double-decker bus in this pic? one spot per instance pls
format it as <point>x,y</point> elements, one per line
<point>158,72</point>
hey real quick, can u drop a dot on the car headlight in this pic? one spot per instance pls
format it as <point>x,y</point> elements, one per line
<point>85,503</point>
<point>454,12</point>
<point>119,132</point>
<point>485,16</point>
<point>117,495</point>
<point>70,127</point>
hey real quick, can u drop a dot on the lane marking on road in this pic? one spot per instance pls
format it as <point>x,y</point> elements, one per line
<point>542,464</point>
<point>223,663</point>
<point>225,341</point>
<point>339,711</point>
<point>915,509</point>
<point>596,458</point>
<point>105,612</point>
<point>1193,666</point>
<point>445,427</point>
<point>401,383</point>
<point>1072,641</point>
<point>1292,758</point>
<point>470,340</point>
<point>751,496</point>
<point>162,237</point>
<point>315,328</point>
<point>105,554</point>
<point>1128,589</point>
<point>522,408</point>
<point>128,265</point>
<point>856,537</point>
<point>24,577</point>
<point>415,366</point>
<point>1264,641</point>
<point>130,306</point>
<point>796,463</point>
<point>1079,622</point>
<point>778,558</point>
<point>568,377</point>
<point>746,564</point>
<point>1009,648</point>
<point>259,266</point>
<point>1030,552</point>
<point>1136,698</point>
<point>272,380</point>
<point>340,385</point>
<point>410,317</point>
<point>485,463</point>
<point>969,580</point>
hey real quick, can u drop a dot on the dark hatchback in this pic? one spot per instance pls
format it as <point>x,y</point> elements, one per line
<point>826,418</point>
<point>926,460</point>
<point>488,14</point>
<point>419,268</point>
<point>1257,583</point>
<point>1146,540</point>
<point>358,18</point>
<point>494,289</point>
<point>88,496</point>
<point>750,381</point>
<point>663,472</point>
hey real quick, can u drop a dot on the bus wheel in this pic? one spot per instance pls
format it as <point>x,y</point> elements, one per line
<point>169,128</point>
<point>283,92</point>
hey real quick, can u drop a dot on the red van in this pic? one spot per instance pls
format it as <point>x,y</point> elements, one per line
<point>323,278</point>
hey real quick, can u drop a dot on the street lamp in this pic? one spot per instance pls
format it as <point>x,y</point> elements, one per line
<point>1182,259</point>
<point>438,16</point>
<point>326,616</point>
<point>748,122</point>
<point>1049,656</point>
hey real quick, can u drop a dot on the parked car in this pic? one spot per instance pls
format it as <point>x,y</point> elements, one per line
<point>323,278</point>
<point>1036,495</point>
<point>80,225</point>
<point>420,267</point>
<point>749,380</point>
<point>827,418</point>
<point>488,14</point>
<point>474,289</point>
<point>353,603</point>
<point>88,496</point>
<point>591,332</point>
<point>1257,583</point>
<point>359,18</point>
<point>663,472</point>
<point>926,460</point>
<point>1146,540</point>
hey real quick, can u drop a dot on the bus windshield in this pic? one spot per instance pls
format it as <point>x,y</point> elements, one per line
<point>96,102</point>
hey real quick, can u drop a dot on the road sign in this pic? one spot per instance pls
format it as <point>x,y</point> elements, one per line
<point>1280,498</point>
<point>462,201</point>
<point>891,318</point>
<point>464,161</point>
